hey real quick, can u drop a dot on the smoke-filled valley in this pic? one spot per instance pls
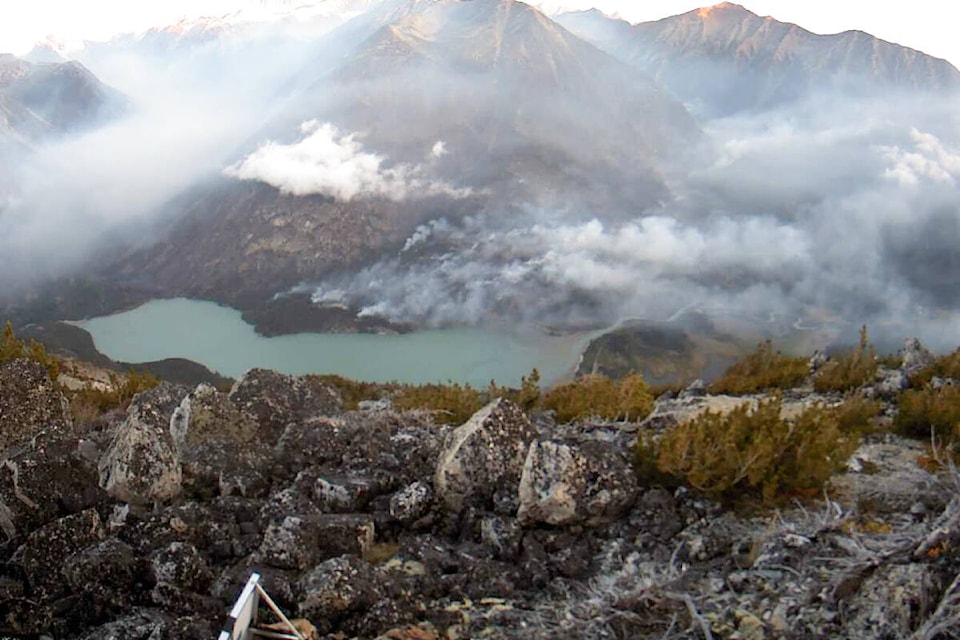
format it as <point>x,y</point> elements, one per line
<point>450,163</point>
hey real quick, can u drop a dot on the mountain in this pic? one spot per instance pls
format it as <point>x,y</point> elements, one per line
<point>441,109</point>
<point>724,59</point>
<point>521,97</point>
<point>40,101</point>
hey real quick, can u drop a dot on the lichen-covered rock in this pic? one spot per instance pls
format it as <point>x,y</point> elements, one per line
<point>503,535</point>
<point>301,542</point>
<point>42,474</point>
<point>890,382</point>
<point>41,556</point>
<point>140,625</point>
<point>290,544</point>
<point>563,484</point>
<point>29,402</point>
<point>181,565</point>
<point>481,461</point>
<point>107,572</point>
<point>915,356</point>
<point>669,410</point>
<point>412,502</point>
<point>276,400</point>
<point>214,532</point>
<point>43,479</point>
<point>892,601</point>
<point>141,464</point>
<point>336,587</point>
<point>217,446</point>
<point>343,493</point>
<point>388,449</point>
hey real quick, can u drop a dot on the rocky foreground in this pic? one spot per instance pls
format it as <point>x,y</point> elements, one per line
<point>374,523</point>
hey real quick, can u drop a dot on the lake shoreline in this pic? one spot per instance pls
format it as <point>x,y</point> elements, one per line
<point>220,338</point>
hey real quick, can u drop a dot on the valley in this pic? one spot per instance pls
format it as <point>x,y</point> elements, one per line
<point>397,166</point>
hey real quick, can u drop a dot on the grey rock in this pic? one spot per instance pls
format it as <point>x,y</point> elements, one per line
<point>564,484</point>
<point>383,404</point>
<point>482,460</point>
<point>299,543</point>
<point>43,474</point>
<point>343,493</point>
<point>412,502</point>
<point>276,400</point>
<point>141,464</point>
<point>41,555</point>
<point>336,587</point>
<point>890,382</point>
<point>915,356</point>
<point>217,446</point>
<point>107,572</point>
<point>817,360</point>
<point>503,535</point>
<point>289,544</point>
<point>141,625</point>
<point>181,565</point>
<point>892,599</point>
<point>29,402</point>
<point>695,389</point>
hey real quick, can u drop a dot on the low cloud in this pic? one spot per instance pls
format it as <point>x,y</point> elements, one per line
<point>329,162</point>
<point>928,159</point>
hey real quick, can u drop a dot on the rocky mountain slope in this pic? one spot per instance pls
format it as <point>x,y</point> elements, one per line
<point>374,523</point>
<point>724,59</point>
<point>43,100</point>
<point>465,107</point>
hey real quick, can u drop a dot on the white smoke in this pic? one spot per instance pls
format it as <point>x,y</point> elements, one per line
<point>929,159</point>
<point>331,163</point>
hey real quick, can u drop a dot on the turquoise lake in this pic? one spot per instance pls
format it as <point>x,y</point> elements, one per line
<point>219,338</point>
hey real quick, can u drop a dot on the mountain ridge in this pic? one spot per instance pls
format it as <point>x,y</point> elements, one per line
<point>704,56</point>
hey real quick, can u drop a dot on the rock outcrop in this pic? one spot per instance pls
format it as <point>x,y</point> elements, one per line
<point>383,524</point>
<point>482,460</point>
<point>141,464</point>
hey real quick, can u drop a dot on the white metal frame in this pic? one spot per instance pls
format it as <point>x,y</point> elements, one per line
<point>241,624</point>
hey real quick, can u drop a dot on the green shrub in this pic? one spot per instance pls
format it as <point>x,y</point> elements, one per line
<point>12,348</point>
<point>924,409</point>
<point>457,401</point>
<point>947,366</point>
<point>751,452</point>
<point>762,370</point>
<point>597,396</point>
<point>855,413</point>
<point>354,392</point>
<point>848,370</point>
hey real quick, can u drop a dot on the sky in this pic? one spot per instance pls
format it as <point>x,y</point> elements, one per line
<point>927,25</point>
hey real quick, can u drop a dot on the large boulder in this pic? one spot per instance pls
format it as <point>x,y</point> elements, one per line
<point>141,464</point>
<point>29,403</point>
<point>481,461</point>
<point>915,356</point>
<point>382,444</point>
<point>107,573</point>
<point>564,484</point>
<point>41,557</point>
<point>43,476</point>
<point>217,446</point>
<point>276,400</point>
<point>298,543</point>
<point>337,587</point>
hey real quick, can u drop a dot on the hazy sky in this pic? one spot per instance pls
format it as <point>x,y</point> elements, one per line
<point>928,25</point>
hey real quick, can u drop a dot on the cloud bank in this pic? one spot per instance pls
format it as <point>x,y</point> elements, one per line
<point>842,214</point>
<point>331,163</point>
